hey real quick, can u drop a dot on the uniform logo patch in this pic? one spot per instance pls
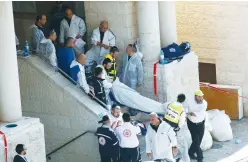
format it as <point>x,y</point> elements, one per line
<point>102,141</point>
<point>127,133</point>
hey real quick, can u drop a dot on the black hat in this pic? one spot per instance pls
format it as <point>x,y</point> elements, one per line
<point>104,119</point>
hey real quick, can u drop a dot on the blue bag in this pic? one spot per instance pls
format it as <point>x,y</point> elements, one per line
<point>185,47</point>
<point>172,52</point>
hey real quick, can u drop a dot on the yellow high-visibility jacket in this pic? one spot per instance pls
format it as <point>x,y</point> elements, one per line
<point>112,72</point>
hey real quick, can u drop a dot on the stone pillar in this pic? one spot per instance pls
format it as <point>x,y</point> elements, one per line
<point>148,29</point>
<point>167,21</point>
<point>10,102</point>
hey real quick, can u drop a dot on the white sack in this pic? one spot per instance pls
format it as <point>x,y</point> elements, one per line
<point>221,128</point>
<point>207,140</point>
<point>131,98</point>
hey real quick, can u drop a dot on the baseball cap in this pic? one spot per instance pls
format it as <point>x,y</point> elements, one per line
<point>199,93</point>
<point>104,118</point>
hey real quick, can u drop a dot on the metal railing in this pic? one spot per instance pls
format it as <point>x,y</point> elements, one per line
<point>76,83</point>
<point>72,80</point>
<point>48,156</point>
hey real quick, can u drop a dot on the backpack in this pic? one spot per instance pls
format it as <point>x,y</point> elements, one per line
<point>172,52</point>
<point>185,47</point>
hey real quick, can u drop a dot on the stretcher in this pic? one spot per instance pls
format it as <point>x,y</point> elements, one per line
<point>130,98</point>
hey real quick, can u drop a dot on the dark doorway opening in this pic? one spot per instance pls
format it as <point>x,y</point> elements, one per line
<point>207,73</point>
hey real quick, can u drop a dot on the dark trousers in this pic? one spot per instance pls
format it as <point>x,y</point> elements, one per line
<point>109,159</point>
<point>130,154</point>
<point>197,132</point>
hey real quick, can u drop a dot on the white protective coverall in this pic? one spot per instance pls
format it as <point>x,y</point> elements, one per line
<point>47,51</point>
<point>160,143</point>
<point>131,71</point>
<point>97,53</point>
<point>76,27</point>
<point>37,36</point>
<point>81,76</point>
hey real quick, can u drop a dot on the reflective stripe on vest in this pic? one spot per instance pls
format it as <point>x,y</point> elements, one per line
<point>173,113</point>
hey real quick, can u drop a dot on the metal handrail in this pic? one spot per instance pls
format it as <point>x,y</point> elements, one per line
<point>78,85</point>
<point>82,134</point>
<point>72,80</point>
<point>48,156</point>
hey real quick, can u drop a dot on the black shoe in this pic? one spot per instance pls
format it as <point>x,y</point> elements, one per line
<point>192,157</point>
<point>200,160</point>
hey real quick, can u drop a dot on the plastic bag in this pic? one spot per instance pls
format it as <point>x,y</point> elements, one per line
<point>207,141</point>
<point>221,128</point>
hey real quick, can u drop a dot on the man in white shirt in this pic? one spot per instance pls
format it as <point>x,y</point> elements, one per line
<point>128,140</point>
<point>196,124</point>
<point>116,116</point>
<point>161,141</point>
<point>81,79</point>
<point>72,26</point>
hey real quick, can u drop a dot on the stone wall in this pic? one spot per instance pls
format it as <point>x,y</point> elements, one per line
<point>30,132</point>
<point>64,109</point>
<point>218,34</point>
<point>172,79</point>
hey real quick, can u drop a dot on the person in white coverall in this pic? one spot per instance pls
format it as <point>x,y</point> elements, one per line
<point>161,141</point>
<point>102,39</point>
<point>81,74</point>
<point>131,69</point>
<point>46,49</point>
<point>72,26</point>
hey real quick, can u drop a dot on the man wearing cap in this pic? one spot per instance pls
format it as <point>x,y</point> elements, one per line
<point>21,151</point>
<point>116,116</point>
<point>129,142</point>
<point>108,141</point>
<point>196,124</point>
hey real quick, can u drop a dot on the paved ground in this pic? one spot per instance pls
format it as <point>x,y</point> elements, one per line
<point>240,131</point>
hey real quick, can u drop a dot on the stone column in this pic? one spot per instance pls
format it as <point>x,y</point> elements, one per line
<point>10,102</point>
<point>167,21</point>
<point>148,29</point>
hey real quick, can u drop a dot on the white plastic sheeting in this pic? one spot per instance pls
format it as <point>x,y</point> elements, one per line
<point>131,98</point>
<point>221,128</point>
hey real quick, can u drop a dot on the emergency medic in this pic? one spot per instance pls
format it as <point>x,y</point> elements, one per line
<point>129,142</point>
<point>116,116</point>
<point>175,115</point>
<point>108,141</point>
<point>112,56</point>
<point>161,141</point>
